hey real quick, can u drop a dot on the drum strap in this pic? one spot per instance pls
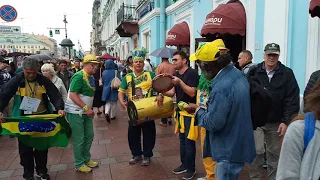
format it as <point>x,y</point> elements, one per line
<point>133,86</point>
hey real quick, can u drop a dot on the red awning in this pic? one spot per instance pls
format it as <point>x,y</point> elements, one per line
<point>226,18</point>
<point>179,35</point>
<point>314,8</point>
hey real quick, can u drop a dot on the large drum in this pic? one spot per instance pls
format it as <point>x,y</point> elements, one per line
<point>143,110</point>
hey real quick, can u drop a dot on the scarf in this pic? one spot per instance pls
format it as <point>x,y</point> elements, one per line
<point>204,84</point>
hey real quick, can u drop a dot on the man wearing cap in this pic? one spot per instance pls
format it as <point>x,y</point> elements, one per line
<point>4,75</point>
<point>203,92</point>
<point>79,113</point>
<point>226,115</point>
<point>280,81</point>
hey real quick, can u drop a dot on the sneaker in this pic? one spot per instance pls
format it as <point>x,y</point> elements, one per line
<point>84,169</point>
<point>202,178</point>
<point>114,118</point>
<point>108,117</point>
<point>43,176</point>
<point>179,170</point>
<point>163,124</point>
<point>135,159</point>
<point>92,164</point>
<point>146,161</point>
<point>188,175</point>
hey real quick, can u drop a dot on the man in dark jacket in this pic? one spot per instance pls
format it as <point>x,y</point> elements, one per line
<point>64,74</point>
<point>32,86</point>
<point>280,82</point>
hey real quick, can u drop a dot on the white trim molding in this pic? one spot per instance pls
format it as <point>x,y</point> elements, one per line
<point>250,9</point>
<point>176,6</point>
<point>313,46</point>
<point>145,31</point>
<point>155,12</point>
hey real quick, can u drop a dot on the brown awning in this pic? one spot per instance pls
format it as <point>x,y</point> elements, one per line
<point>179,35</point>
<point>314,8</point>
<point>226,18</point>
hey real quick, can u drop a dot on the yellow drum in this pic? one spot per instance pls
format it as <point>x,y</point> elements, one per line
<point>143,110</point>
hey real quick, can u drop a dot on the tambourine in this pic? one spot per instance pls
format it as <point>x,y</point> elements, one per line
<point>162,83</point>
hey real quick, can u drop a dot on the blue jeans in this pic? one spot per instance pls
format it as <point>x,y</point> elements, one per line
<point>228,170</point>
<point>187,147</point>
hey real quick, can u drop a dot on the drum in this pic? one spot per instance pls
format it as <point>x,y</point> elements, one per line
<point>162,83</point>
<point>143,110</point>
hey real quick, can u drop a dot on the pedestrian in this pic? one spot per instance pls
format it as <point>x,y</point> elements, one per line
<point>281,83</point>
<point>147,65</point>
<point>5,76</point>
<point>185,81</point>
<point>80,113</point>
<point>203,93</point>
<point>48,71</point>
<point>139,80</point>
<point>128,68</point>
<point>97,100</point>
<point>64,74</point>
<point>76,67</point>
<point>299,156</point>
<point>226,115</point>
<point>31,85</point>
<point>165,67</point>
<point>109,95</point>
<point>245,61</point>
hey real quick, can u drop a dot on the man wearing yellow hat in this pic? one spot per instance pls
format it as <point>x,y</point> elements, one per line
<point>203,92</point>
<point>79,113</point>
<point>226,116</point>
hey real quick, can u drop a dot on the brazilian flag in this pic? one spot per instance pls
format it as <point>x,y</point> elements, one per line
<point>38,131</point>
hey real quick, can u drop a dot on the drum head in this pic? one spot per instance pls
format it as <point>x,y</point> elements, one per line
<point>162,83</point>
<point>132,113</point>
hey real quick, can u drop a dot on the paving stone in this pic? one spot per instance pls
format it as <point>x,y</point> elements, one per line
<point>102,128</point>
<point>108,161</point>
<point>5,174</point>
<point>17,172</point>
<point>105,141</point>
<point>59,167</point>
<point>156,154</point>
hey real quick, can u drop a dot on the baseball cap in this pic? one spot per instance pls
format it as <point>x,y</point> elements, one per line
<point>206,52</point>
<point>218,44</point>
<point>90,58</point>
<point>272,48</point>
<point>3,60</point>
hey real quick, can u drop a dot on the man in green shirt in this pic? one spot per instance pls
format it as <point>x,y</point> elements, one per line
<point>79,113</point>
<point>137,85</point>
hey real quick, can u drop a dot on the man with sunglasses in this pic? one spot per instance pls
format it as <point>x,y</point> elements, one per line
<point>186,81</point>
<point>226,116</point>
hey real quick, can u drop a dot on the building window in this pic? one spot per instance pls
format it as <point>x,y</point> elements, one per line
<point>31,46</point>
<point>0,46</point>
<point>28,46</point>
<point>24,46</point>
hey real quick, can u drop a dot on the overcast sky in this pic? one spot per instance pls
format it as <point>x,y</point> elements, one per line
<point>35,16</point>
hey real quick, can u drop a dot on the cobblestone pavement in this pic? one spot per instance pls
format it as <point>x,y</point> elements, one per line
<point>110,148</point>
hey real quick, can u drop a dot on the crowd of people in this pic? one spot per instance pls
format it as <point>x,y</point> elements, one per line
<point>243,114</point>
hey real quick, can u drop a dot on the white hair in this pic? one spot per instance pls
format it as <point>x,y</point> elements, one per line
<point>48,67</point>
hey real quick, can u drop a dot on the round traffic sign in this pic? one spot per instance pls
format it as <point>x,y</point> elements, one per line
<point>8,13</point>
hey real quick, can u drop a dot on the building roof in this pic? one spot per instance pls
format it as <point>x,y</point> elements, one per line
<point>20,39</point>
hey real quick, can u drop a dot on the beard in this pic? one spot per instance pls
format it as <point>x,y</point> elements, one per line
<point>208,74</point>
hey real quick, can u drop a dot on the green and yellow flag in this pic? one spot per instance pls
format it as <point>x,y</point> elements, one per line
<point>38,131</point>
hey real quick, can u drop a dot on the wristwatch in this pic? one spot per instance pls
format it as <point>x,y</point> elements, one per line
<point>85,108</point>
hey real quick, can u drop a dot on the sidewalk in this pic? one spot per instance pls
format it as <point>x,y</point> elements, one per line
<point>110,148</point>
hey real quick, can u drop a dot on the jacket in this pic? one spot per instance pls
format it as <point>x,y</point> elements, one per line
<point>11,89</point>
<point>227,119</point>
<point>109,94</point>
<point>66,78</point>
<point>293,163</point>
<point>284,91</point>
<point>60,86</point>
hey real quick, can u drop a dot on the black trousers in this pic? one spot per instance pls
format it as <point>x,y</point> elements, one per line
<point>28,156</point>
<point>149,138</point>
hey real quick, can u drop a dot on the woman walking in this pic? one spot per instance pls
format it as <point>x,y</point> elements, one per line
<point>109,95</point>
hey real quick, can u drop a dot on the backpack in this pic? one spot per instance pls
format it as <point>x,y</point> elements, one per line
<point>261,99</point>
<point>309,128</point>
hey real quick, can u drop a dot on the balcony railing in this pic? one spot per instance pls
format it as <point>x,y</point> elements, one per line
<point>127,13</point>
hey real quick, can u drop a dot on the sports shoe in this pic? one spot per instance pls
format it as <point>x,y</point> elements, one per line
<point>179,170</point>
<point>92,164</point>
<point>188,175</point>
<point>146,161</point>
<point>43,176</point>
<point>84,169</point>
<point>135,159</point>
